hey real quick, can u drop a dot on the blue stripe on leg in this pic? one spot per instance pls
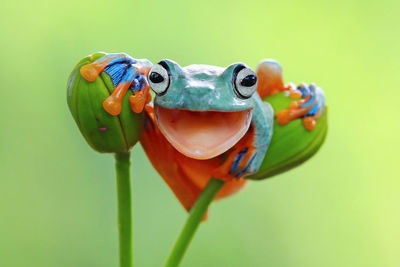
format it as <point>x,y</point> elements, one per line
<point>245,170</point>
<point>237,159</point>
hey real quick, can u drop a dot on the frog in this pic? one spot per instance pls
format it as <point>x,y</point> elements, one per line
<point>204,111</point>
<point>204,121</point>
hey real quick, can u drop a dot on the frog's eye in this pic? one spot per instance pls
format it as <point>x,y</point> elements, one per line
<point>244,81</point>
<point>160,78</point>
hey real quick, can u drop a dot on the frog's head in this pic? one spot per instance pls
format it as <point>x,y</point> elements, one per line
<point>203,110</point>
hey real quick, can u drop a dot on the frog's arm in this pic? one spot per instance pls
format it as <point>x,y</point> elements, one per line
<point>125,73</point>
<point>262,121</point>
<point>300,124</point>
<point>248,154</point>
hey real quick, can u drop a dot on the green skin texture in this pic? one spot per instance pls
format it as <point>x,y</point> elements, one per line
<point>202,88</point>
<point>85,103</point>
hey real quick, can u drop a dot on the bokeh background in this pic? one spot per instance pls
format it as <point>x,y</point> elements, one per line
<point>58,197</point>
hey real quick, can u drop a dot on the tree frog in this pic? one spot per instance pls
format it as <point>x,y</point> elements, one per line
<point>205,121</point>
<point>204,111</point>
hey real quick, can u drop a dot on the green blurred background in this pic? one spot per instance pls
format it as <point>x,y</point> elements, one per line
<point>58,197</point>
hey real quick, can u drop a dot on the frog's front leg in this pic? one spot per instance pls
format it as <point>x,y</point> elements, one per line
<point>125,73</point>
<point>247,155</point>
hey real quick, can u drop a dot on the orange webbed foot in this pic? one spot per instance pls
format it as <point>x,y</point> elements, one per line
<point>113,103</point>
<point>139,99</point>
<point>125,72</point>
<point>309,107</point>
<point>90,72</point>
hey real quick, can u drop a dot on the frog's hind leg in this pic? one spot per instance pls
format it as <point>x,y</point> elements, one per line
<point>310,99</point>
<point>309,107</point>
<point>125,73</point>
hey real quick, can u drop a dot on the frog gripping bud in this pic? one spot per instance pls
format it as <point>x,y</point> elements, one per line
<point>292,143</point>
<point>300,121</point>
<point>97,79</point>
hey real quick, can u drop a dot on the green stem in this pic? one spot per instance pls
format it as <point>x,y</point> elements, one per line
<point>122,164</point>
<point>195,216</point>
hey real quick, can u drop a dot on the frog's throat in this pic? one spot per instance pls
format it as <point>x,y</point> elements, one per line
<point>202,134</point>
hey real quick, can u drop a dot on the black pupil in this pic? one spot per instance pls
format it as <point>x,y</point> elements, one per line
<point>156,77</point>
<point>249,80</point>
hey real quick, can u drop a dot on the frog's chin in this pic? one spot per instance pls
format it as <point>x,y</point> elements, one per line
<point>202,134</point>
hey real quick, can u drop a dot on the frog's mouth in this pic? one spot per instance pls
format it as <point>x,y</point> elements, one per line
<point>202,134</point>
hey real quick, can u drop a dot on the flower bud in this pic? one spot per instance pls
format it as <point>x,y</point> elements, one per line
<point>102,131</point>
<point>297,135</point>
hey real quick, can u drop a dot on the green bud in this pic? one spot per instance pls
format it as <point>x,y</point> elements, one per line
<point>102,131</point>
<point>292,143</point>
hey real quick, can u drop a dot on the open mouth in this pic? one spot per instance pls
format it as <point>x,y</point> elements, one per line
<point>202,134</point>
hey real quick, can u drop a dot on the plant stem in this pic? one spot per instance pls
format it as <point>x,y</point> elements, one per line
<point>122,164</point>
<point>195,216</point>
